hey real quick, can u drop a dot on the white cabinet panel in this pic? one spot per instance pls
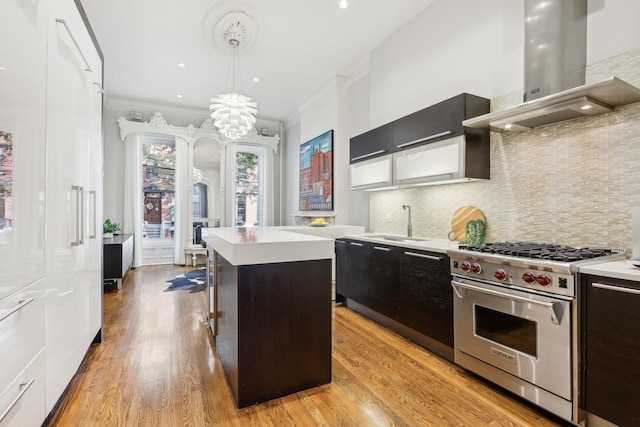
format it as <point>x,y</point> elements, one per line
<point>21,330</point>
<point>74,196</point>
<point>374,173</point>
<point>22,144</point>
<point>435,162</point>
<point>23,402</point>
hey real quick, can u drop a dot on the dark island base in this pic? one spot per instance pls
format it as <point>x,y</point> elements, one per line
<point>274,327</point>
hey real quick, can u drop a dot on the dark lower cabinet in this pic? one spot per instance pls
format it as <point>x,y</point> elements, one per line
<point>385,267</point>
<point>359,272</point>
<point>342,269</point>
<point>611,349</point>
<point>425,294</point>
<point>412,288</point>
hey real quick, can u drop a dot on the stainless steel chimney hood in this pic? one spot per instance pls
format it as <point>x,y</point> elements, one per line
<point>587,100</point>
<point>554,72</point>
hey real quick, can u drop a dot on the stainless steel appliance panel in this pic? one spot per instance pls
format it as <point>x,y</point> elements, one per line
<point>522,333</point>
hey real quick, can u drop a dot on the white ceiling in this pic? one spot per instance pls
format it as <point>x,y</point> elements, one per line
<point>301,45</point>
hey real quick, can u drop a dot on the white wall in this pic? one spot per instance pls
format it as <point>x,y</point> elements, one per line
<point>359,123</point>
<point>291,172</point>
<point>452,46</point>
<point>612,28</point>
<point>327,110</point>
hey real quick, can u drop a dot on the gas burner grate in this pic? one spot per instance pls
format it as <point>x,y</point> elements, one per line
<point>545,251</point>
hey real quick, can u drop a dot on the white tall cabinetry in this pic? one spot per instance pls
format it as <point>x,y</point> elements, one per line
<point>50,204</point>
<point>23,78</point>
<point>74,196</point>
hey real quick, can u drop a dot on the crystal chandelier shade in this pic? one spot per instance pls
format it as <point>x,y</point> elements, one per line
<point>232,113</point>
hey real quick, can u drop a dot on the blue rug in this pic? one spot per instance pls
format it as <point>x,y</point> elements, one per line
<point>193,281</point>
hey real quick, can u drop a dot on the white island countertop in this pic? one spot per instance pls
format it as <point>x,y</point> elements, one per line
<point>266,245</point>
<point>623,269</point>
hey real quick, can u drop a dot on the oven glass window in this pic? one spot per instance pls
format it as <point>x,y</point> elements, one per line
<point>511,331</point>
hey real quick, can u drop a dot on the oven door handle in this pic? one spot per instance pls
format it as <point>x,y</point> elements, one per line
<point>554,307</point>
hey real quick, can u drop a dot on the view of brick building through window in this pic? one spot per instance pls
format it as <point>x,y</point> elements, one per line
<point>6,180</point>
<point>158,191</point>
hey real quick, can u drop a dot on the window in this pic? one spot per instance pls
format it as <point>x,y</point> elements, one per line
<point>248,183</point>
<point>158,187</point>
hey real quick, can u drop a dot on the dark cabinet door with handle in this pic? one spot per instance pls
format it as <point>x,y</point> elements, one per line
<point>377,142</point>
<point>425,295</point>
<point>385,266</point>
<point>359,288</point>
<point>611,349</point>
<point>437,122</point>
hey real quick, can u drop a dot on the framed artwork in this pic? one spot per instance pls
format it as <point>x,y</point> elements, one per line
<point>316,173</point>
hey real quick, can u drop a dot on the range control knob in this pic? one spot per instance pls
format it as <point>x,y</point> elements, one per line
<point>543,280</point>
<point>465,266</point>
<point>500,274</point>
<point>476,268</point>
<point>529,277</point>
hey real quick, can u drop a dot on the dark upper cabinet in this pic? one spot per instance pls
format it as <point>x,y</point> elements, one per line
<point>437,122</point>
<point>376,142</point>
<point>610,349</point>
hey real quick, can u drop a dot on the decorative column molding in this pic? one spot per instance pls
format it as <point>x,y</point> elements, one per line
<point>190,133</point>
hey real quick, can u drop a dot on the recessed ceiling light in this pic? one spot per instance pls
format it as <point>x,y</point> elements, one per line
<point>179,96</point>
<point>256,79</point>
<point>508,126</point>
<point>586,107</point>
<point>181,65</point>
<point>343,4</point>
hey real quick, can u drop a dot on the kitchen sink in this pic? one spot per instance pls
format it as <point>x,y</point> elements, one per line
<point>394,238</point>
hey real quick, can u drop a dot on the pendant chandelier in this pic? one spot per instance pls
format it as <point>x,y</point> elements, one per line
<point>232,113</point>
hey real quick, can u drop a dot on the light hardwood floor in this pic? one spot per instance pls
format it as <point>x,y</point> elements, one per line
<point>157,366</point>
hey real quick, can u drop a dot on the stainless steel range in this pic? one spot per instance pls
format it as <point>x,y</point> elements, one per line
<point>515,317</point>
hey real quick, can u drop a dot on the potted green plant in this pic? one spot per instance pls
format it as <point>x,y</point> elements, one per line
<point>109,228</point>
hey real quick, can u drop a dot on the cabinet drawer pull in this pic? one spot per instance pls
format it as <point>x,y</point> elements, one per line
<point>616,288</point>
<point>434,258</point>
<point>364,156</point>
<point>12,310</point>
<point>23,389</point>
<point>382,249</point>
<point>356,244</point>
<point>430,137</point>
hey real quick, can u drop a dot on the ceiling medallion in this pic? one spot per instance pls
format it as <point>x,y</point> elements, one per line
<point>233,19</point>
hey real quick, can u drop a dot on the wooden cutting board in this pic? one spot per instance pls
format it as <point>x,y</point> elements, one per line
<point>461,218</point>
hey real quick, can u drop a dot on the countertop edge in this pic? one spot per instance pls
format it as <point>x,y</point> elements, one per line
<point>621,269</point>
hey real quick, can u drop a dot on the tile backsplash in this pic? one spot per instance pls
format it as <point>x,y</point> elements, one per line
<point>573,183</point>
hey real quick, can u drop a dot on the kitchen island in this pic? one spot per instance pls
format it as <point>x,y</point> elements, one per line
<point>273,310</point>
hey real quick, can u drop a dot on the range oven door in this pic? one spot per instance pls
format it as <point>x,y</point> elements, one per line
<point>524,334</point>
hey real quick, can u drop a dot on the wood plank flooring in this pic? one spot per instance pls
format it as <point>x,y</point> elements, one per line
<point>157,366</point>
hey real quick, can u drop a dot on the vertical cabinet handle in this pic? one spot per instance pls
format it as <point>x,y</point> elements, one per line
<point>76,242</point>
<point>23,389</point>
<point>79,220</point>
<point>94,214</point>
<point>82,213</point>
